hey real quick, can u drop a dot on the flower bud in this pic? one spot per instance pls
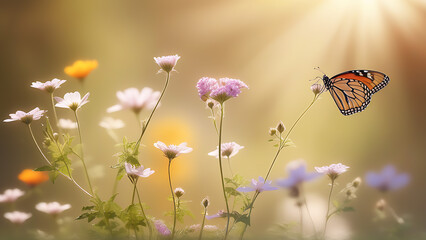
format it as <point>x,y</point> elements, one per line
<point>272,131</point>
<point>205,202</point>
<point>179,192</point>
<point>210,104</point>
<point>380,205</point>
<point>316,88</point>
<point>280,127</point>
<point>356,182</point>
<point>56,136</point>
<point>47,142</point>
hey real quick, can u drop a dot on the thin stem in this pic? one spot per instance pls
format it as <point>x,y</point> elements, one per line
<point>143,213</point>
<point>301,221</point>
<point>152,113</point>
<point>82,152</point>
<point>202,224</point>
<point>214,121</point>
<point>174,202</point>
<point>55,115</point>
<point>229,165</point>
<point>307,210</point>
<point>221,170</point>
<point>327,216</point>
<point>50,164</point>
<point>114,186</point>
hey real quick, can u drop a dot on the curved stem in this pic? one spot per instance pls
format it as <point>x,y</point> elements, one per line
<point>50,164</point>
<point>327,217</point>
<point>143,213</point>
<point>174,202</point>
<point>152,113</point>
<point>221,170</point>
<point>301,222</point>
<point>82,152</point>
<point>202,224</point>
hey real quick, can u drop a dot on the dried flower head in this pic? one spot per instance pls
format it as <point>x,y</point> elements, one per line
<point>49,86</point>
<point>67,124</point>
<point>52,208</point>
<point>388,179</point>
<point>172,151</point>
<point>228,150</point>
<point>179,192</point>
<point>167,63</point>
<point>17,217</point>
<point>81,68</point>
<point>33,178</point>
<point>317,88</point>
<point>333,171</point>
<point>26,118</point>
<point>10,195</point>
<point>72,101</point>
<point>136,100</point>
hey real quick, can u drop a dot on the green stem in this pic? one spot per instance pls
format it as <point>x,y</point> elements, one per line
<point>114,186</point>
<point>327,217</point>
<point>152,113</point>
<point>55,114</point>
<point>174,202</point>
<point>143,213</point>
<point>221,170</point>
<point>82,152</point>
<point>50,164</point>
<point>202,224</point>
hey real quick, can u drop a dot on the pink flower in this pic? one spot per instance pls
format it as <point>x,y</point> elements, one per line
<point>221,90</point>
<point>136,172</point>
<point>167,63</point>
<point>24,117</point>
<point>52,208</point>
<point>17,217</point>
<point>132,99</point>
<point>10,195</point>
<point>258,186</point>
<point>333,171</point>
<point>172,151</point>
<point>162,228</point>
<point>228,150</point>
<point>72,101</point>
<point>49,86</point>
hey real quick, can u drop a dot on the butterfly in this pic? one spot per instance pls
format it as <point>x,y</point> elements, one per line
<point>352,90</point>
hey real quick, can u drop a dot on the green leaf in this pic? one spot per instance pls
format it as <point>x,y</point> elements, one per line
<point>53,175</point>
<point>289,143</point>
<point>348,209</point>
<point>44,168</point>
<point>232,191</point>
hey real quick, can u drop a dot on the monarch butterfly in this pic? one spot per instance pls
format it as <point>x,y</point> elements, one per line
<point>352,90</point>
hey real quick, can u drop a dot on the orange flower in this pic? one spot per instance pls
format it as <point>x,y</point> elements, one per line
<point>81,68</point>
<point>33,178</point>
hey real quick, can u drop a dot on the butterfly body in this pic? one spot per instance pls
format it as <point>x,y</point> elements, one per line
<point>352,90</point>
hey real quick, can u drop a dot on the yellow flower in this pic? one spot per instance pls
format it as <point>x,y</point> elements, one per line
<point>33,178</point>
<point>81,68</point>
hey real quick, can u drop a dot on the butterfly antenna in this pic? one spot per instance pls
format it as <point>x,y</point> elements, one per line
<point>319,69</point>
<point>316,78</point>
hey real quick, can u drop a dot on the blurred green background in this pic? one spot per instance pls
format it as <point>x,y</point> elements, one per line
<point>271,45</point>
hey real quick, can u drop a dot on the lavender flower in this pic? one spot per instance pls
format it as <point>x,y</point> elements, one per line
<point>297,175</point>
<point>135,100</point>
<point>136,172</point>
<point>17,217</point>
<point>167,63</point>
<point>10,195</point>
<point>228,150</point>
<point>52,208</point>
<point>49,86</point>
<point>219,214</point>
<point>333,171</point>
<point>162,228</point>
<point>221,90</point>
<point>388,179</point>
<point>26,118</point>
<point>258,186</point>
<point>172,151</point>
<point>72,101</point>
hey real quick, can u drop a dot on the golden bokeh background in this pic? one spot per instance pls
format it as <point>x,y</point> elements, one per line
<point>271,45</point>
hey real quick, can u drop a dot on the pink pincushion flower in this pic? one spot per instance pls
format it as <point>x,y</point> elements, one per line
<point>135,172</point>
<point>17,217</point>
<point>10,195</point>
<point>221,90</point>
<point>167,63</point>
<point>49,86</point>
<point>72,101</point>
<point>24,117</point>
<point>333,171</point>
<point>228,150</point>
<point>52,208</point>
<point>172,151</point>
<point>135,100</point>
<point>162,228</point>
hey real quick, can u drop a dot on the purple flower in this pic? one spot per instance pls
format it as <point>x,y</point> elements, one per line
<point>219,214</point>
<point>388,179</point>
<point>162,228</point>
<point>333,171</point>
<point>297,175</point>
<point>24,117</point>
<point>221,90</point>
<point>258,186</point>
